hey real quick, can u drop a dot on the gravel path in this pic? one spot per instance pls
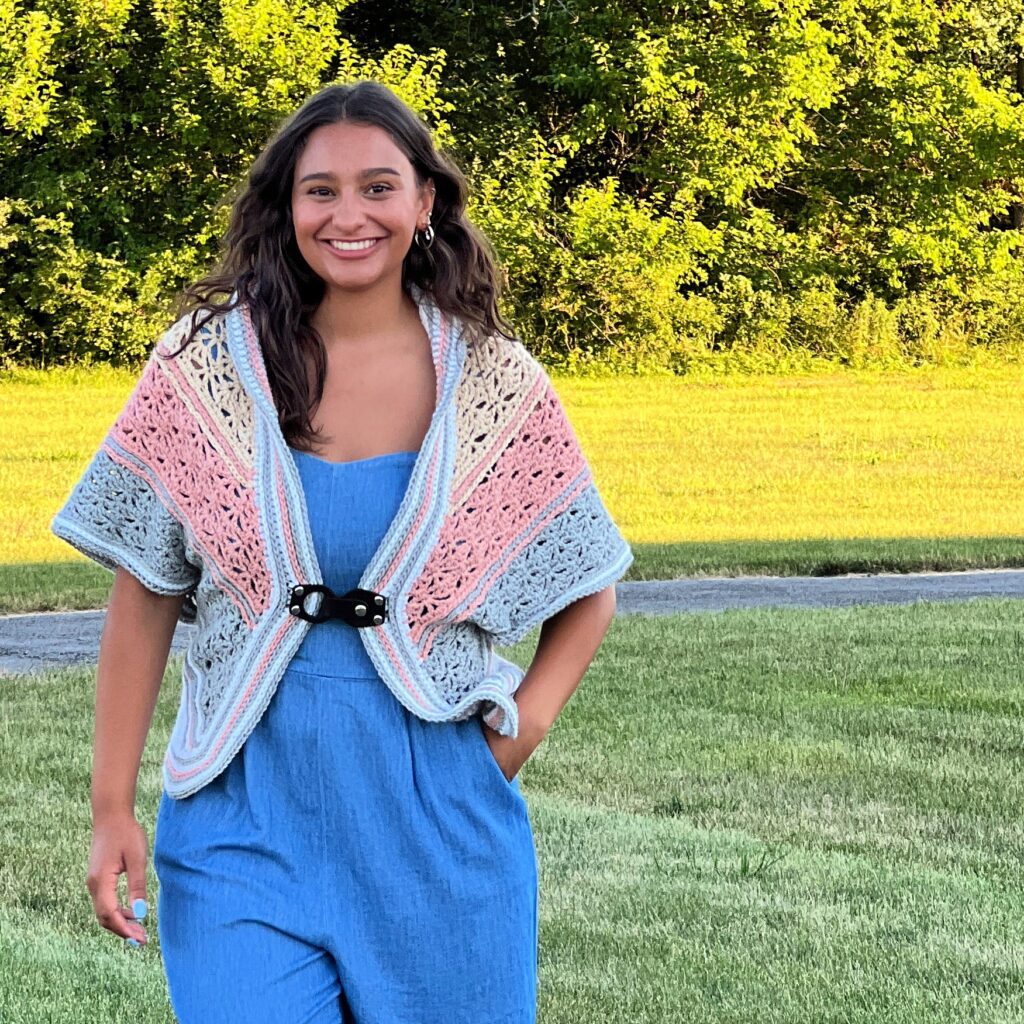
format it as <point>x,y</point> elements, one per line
<point>33,642</point>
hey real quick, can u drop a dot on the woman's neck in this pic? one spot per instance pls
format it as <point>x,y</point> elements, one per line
<point>355,318</point>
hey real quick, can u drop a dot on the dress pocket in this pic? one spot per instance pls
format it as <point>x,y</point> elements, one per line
<point>488,755</point>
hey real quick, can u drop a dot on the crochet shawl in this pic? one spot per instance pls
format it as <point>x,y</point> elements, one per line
<point>194,491</point>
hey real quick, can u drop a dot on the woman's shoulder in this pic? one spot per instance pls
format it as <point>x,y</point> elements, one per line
<point>201,326</point>
<point>502,362</point>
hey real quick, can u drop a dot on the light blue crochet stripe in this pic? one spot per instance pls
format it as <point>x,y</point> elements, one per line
<point>606,544</point>
<point>611,573</point>
<point>66,525</point>
<point>504,718</point>
<point>432,453</point>
<point>442,436</point>
<point>492,688</point>
<point>189,708</point>
<point>112,556</point>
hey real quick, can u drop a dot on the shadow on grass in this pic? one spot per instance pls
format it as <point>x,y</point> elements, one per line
<point>60,586</point>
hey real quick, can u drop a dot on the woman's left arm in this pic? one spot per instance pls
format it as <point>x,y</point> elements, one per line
<point>568,642</point>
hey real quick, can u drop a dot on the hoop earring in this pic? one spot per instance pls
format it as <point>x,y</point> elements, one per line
<point>425,238</point>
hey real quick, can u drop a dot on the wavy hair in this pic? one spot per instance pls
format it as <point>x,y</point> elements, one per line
<point>260,263</point>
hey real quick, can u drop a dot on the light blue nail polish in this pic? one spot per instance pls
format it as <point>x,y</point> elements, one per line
<point>132,942</point>
<point>139,908</point>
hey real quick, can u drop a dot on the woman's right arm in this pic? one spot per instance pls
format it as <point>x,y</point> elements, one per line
<point>133,654</point>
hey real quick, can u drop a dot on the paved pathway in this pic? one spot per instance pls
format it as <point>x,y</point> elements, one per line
<point>33,642</point>
<point>716,594</point>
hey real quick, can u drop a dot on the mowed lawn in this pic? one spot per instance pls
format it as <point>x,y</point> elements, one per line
<point>936,455</point>
<point>766,816</point>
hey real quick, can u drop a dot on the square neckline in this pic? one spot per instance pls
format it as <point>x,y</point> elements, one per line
<point>353,462</point>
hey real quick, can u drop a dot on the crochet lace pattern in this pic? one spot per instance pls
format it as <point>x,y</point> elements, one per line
<point>194,493</point>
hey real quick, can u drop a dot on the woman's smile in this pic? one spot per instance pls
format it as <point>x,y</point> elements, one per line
<point>351,250</point>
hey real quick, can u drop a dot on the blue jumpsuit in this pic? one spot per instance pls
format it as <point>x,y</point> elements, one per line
<point>353,863</point>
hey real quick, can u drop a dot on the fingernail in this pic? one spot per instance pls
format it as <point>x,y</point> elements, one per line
<point>139,908</point>
<point>131,942</point>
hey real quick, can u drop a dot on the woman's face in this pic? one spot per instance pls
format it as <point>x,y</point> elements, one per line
<point>355,206</point>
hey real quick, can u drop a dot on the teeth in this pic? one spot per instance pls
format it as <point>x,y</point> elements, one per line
<point>349,246</point>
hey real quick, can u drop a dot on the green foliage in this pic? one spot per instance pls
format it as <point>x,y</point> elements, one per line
<point>821,163</point>
<point>127,126</point>
<point>758,180</point>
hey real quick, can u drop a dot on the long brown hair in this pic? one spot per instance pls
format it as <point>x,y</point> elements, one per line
<point>261,265</point>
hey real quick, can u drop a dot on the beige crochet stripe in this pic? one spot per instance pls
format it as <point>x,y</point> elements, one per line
<point>229,407</point>
<point>498,377</point>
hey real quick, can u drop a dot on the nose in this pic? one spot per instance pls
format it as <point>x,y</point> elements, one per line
<point>347,214</point>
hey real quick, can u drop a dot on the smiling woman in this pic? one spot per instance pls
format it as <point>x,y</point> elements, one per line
<point>353,165</point>
<point>355,207</point>
<point>357,483</point>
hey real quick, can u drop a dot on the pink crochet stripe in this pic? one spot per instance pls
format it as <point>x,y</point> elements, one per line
<point>419,630</point>
<point>547,430</point>
<point>409,684</point>
<point>163,435</point>
<point>239,708</point>
<point>286,520</point>
<point>499,442</point>
<point>213,427</point>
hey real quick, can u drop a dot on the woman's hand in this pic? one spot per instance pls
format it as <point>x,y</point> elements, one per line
<point>134,647</point>
<point>512,753</point>
<point>567,644</point>
<point>119,844</point>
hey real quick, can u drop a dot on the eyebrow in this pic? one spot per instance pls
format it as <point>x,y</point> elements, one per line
<point>370,172</point>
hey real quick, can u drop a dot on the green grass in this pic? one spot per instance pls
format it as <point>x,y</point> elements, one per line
<point>759,816</point>
<point>799,474</point>
<point>55,586</point>
<point>822,557</point>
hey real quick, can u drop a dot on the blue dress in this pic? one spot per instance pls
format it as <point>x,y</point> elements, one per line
<point>353,863</point>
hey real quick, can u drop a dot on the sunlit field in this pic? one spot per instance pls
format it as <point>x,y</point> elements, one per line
<point>938,453</point>
<point>934,454</point>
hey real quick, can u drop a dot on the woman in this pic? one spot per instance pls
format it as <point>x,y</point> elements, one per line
<point>355,481</point>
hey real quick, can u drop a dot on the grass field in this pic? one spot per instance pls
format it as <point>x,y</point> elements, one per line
<point>81,584</point>
<point>936,454</point>
<point>821,473</point>
<point>769,816</point>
